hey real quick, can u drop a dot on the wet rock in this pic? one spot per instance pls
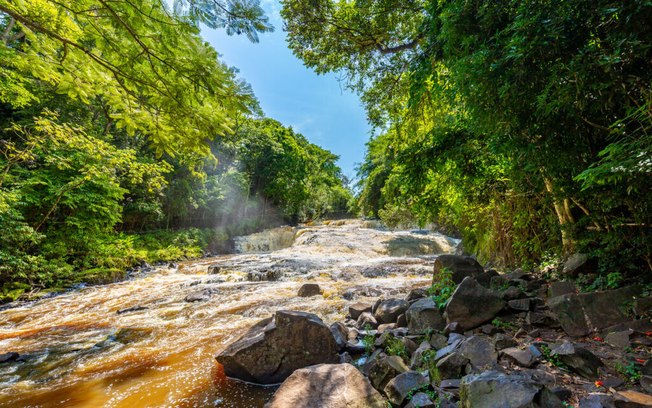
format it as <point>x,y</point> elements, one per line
<point>632,399</point>
<point>388,310</point>
<point>261,276</point>
<point>581,314</point>
<point>578,359</point>
<point>597,400</point>
<point>493,389</point>
<point>561,288</point>
<point>421,400</point>
<point>523,358</point>
<point>416,294</point>
<point>214,269</point>
<point>480,352</point>
<point>200,295</point>
<point>327,385</point>
<point>424,315</point>
<point>273,348</point>
<point>452,366</point>
<point>365,320</point>
<point>471,304</point>
<point>358,308</point>
<point>459,266</point>
<point>340,334</point>
<point>9,357</point>
<point>618,339</point>
<point>132,309</point>
<point>309,289</point>
<point>579,264</point>
<point>383,369</point>
<point>398,388</point>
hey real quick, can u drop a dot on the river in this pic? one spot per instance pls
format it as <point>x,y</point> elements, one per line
<point>78,351</point>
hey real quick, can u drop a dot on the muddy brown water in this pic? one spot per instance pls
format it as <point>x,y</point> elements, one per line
<point>77,351</point>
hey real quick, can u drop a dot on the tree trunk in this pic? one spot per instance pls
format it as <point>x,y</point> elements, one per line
<point>562,209</point>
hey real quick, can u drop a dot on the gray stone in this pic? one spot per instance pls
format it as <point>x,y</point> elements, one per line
<point>632,399</point>
<point>424,315</point>
<point>523,358</point>
<point>275,347</point>
<point>643,306</point>
<point>503,341</point>
<point>583,313</point>
<point>340,334</point>
<point>578,359</point>
<point>471,304</point>
<point>480,352</point>
<point>365,320</point>
<point>459,266</point>
<point>453,327</point>
<point>421,400</point>
<point>618,339</point>
<point>382,328</point>
<point>388,310</point>
<point>401,320</point>
<point>356,309</point>
<point>512,293</point>
<point>416,294</point>
<point>416,361</point>
<point>646,383</point>
<point>597,400</point>
<point>383,369</point>
<point>579,264</point>
<point>521,305</point>
<point>452,366</point>
<point>493,389</point>
<point>197,296</point>
<point>327,385</point>
<point>309,290</point>
<point>9,357</point>
<point>438,341</point>
<point>400,386</point>
<point>561,288</point>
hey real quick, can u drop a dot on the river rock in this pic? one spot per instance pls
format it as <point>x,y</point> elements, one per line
<point>503,341</point>
<point>424,315</point>
<point>327,385</point>
<point>582,313</point>
<point>8,357</point>
<point>471,304</point>
<point>309,289</point>
<point>459,266</point>
<point>416,294</point>
<point>398,388</point>
<point>578,359</point>
<point>493,389</point>
<point>358,308</point>
<point>388,310</point>
<point>202,295</point>
<point>597,400</point>
<point>273,348</point>
<point>340,334</point>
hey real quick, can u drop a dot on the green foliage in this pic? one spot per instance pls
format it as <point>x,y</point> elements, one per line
<point>502,325</point>
<point>368,341</point>
<point>442,289</point>
<point>552,358</point>
<point>395,347</point>
<point>429,362</point>
<point>631,371</point>
<point>588,283</point>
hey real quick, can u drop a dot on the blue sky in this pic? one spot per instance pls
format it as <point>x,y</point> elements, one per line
<point>314,105</point>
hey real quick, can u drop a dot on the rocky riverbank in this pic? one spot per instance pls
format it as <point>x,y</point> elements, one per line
<point>476,338</point>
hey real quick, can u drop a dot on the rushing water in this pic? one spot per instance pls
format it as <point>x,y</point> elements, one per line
<point>78,351</point>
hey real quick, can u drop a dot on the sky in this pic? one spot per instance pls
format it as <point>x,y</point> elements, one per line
<point>313,105</point>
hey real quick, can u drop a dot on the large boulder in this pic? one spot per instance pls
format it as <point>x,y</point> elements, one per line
<point>459,266</point>
<point>577,264</point>
<point>277,346</point>
<point>381,370</point>
<point>327,385</point>
<point>471,304</point>
<point>399,387</point>
<point>424,315</point>
<point>388,310</point>
<point>582,313</point>
<point>309,289</point>
<point>493,389</point>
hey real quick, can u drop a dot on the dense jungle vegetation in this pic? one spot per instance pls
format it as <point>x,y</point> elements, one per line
<point>524,126</point>
<point>124,139</point>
